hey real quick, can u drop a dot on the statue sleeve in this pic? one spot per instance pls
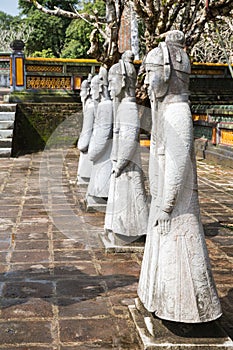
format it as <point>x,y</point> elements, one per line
<point>102,132</point>
<point>85,136</point>
<point>178,161</point>
<point>128,140</point>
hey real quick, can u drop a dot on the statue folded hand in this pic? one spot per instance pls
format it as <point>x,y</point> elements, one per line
<point>164,222</point>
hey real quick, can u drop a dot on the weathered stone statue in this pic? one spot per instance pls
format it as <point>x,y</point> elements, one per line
<point>101,141</point>
<point>127,212</point>
<point>176,282</point>
<point>85,165</point>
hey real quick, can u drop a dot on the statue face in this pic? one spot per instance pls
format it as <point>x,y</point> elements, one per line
<point>115,85</point>
<point>95,90</point>
<point>103,76</point>
<point>155,77</point>
<point>84,93</point>
<point>155,82</point>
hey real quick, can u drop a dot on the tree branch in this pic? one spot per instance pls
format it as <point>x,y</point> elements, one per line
<point>59,12</point>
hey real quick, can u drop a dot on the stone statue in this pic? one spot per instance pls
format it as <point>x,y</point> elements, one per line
<point>85,165</point>
<point>101,141</point>
<point>127,212</point>
<point>176,282</point>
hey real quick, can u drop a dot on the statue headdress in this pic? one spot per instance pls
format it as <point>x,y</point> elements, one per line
<point>175,40</point>
<point>125,69</point>
<point>175,37</point>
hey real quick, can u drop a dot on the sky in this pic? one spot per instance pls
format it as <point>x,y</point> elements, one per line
<point>9,7</point>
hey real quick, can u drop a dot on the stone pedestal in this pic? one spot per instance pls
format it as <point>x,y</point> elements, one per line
<point>158,334</point>
<point>114,243</point>
<point>95,204</point>
<point>82,182</point>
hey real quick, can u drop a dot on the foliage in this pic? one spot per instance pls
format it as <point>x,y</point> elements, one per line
<point>46,53</point>
<point>67,37</point>
<point>11,28</point>
<point>105,29</point>
<point>48,32</point>
<point>77,42</point>
<point>5,20</point>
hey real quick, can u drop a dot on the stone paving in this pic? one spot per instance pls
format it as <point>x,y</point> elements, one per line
<point>59,289</point>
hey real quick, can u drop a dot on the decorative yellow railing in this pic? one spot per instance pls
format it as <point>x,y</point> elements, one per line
<point>226,137</point>
<point>57,74</point>
<point>49,73</point>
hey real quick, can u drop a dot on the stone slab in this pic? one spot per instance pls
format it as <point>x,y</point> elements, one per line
<point>7,115</point>
<point>208,336</point>
<point>134,247</point>
<point>5,143</point>
<point>96,207</point>
<point>93,206</point>
<point>82,184</point>
<point>5,152</point>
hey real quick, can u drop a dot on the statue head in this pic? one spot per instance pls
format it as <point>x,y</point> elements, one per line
<point>122,79</point>
<point>157,66</point>
<point>103,82</point>
<point>103,76</point>
<point>175,37</point>
<point>95,82</point>
<point>168,66</point>
<point>89,78</point>
<point>128,56</point>
<point>85,90</point>
<point>175,40</point>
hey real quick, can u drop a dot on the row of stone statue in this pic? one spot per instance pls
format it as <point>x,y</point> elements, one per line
<point>176,281</point>
<point>110,154</point>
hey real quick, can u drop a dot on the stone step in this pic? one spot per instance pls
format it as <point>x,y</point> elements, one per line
<point>7,115</point>
<point>6,134</point>
<point>8,107</point>
<point>5,152</point>
<point>6,124</point>
<point>5,143</point>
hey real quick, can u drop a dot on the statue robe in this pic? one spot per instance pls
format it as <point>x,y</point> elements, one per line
<point>127,211</point>
<point>99,151</point>
<point>85,165</point>
<point>176,282</point>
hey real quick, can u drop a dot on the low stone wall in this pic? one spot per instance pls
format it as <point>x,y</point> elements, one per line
<point>40,125</point>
